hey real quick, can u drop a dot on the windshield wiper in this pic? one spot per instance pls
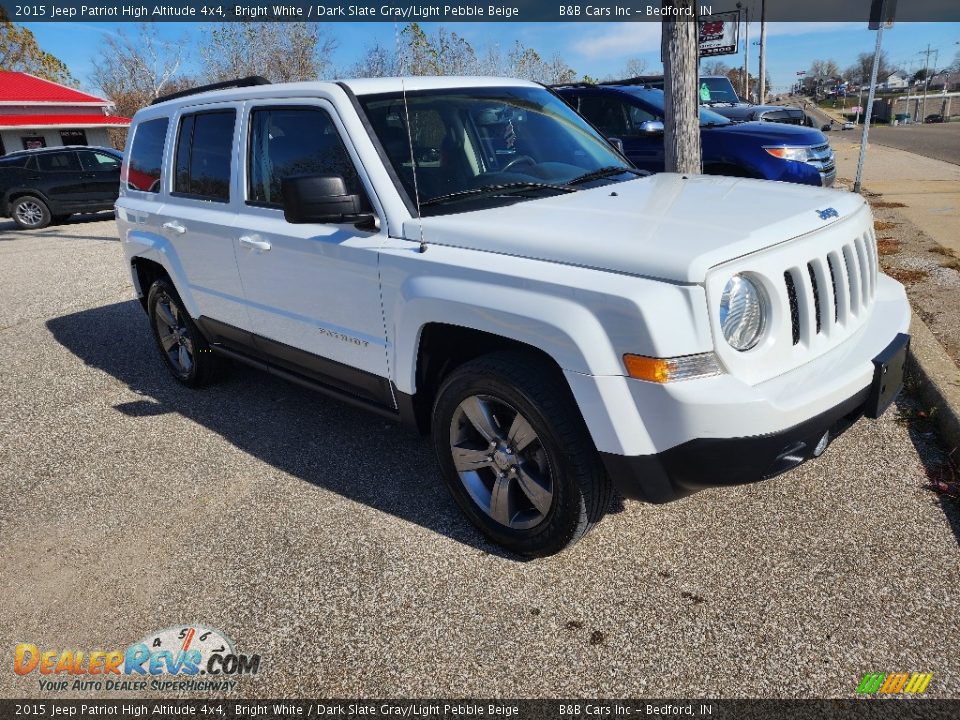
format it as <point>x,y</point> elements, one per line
<point>605,172</point>
<point>494,190</point>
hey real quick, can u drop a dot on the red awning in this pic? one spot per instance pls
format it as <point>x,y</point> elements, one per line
<point>62,121</point>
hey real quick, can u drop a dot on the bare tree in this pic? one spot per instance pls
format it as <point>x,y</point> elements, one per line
<point>681,137</point>
<point>377,61</point>
<point>454,55</point>
<point>860,71</point>
<point>133,70</point>
<point>634,67</point>
<point>525,62</point>
<point>825,68</point>
<point>19,51</point>
<point>716,68</point>
<point>282,52</point>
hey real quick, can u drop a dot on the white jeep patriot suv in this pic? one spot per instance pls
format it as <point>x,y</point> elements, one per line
<point>471,257</point>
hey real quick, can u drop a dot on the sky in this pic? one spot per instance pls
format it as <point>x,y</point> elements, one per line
<point>595,49</point>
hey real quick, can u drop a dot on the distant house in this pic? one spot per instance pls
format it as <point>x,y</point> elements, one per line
<point>949,79</point>
<point>895,81</point>
<point>39,113</point>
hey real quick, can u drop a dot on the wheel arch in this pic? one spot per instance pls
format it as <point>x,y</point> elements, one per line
<point>441,349</point>
<point>145,272</point>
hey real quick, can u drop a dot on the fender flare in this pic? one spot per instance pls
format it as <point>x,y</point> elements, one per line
<point>513,313</point>
<point>145,245</point>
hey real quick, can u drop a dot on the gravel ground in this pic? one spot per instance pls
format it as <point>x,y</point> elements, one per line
<point>320,536</point>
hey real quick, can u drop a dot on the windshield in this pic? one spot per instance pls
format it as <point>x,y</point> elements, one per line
<point>717,90</point>
<point>654,98</point>
<point>480,142</point>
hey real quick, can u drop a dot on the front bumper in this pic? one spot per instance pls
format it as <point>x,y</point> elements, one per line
<point>710,462</point>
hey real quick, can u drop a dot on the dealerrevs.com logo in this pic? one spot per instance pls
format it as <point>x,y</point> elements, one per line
<point>198,657</point>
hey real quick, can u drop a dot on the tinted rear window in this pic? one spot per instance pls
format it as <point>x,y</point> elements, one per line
<point>204,150</point>
<point>146,155</point>
<point>18,161</point>
<point>58,162</point>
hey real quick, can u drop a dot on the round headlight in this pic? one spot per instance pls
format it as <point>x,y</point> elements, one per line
<point>742,313</point>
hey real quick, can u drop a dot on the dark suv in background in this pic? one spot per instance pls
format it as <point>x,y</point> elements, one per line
<point>717,93</point>
<point>39,187</point>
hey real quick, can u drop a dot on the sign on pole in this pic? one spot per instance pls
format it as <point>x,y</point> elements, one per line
<point>880,15</point>
<point>719,34</point>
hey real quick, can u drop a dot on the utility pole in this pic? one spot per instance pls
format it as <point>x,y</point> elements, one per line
<point>926,76</point>
<point>746,57</point>
<point>763,52</point>
<point>870,96</point>
<point>681,133</point>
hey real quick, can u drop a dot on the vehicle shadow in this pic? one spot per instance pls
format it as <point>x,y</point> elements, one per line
<point>8,226</point>
<point>939,466</point>
<point>346,450</point>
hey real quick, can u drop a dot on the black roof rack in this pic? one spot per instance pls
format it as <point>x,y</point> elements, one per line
<point>582,83</point>
<point>648,80</point>
<point>238,83</point>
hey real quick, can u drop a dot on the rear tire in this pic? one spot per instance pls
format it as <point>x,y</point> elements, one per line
<point>185,351</point>
<point>30,213</point>
<point>516,455</point>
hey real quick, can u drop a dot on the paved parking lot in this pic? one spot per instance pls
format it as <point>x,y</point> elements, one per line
<point>320,536</point>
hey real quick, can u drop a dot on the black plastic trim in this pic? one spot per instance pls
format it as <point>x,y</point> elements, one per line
<point>712,462</point>
<point>328,376</point>
<point>381,151</point>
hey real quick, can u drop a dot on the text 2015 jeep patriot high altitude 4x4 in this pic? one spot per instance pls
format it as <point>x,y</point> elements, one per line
<point>470,256</point>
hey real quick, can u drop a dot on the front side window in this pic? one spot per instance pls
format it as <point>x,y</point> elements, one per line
<point>470,142</point>
<point>146,155</point>
<point>204,150</point>
<point>286,142</point>
<point>58,162</point>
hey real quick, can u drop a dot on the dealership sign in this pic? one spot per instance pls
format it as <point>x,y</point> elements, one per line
<point>719,34</point>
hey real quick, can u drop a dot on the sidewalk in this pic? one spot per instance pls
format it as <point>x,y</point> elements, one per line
<point>930,189</point>
<point>916,206</point>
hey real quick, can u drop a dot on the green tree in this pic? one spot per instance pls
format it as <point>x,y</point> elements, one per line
<point>20,51</point>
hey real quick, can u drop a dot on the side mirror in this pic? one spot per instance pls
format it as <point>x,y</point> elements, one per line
<point>617,143</point>
<point>651,127</point>
<point>321,199</point>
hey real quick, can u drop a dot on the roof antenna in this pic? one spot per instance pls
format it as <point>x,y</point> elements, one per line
<point>413,164</point>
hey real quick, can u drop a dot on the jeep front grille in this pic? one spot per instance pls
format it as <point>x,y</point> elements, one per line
<point>844,280</point>
<point>820,288</point>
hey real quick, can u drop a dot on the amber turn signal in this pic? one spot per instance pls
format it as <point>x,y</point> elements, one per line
<point>662,370</point>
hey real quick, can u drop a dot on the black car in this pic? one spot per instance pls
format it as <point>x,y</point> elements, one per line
<point>38,187</point>
<point>935,118</point>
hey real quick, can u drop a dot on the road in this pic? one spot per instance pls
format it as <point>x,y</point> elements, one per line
<point>940,141</point>
<point>320,537</point>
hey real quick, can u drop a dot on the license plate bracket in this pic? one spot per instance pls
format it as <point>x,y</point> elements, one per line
<point>888,369</point>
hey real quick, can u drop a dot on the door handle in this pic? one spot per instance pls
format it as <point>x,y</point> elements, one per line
<point>249,242</point>
<point>175,226</point>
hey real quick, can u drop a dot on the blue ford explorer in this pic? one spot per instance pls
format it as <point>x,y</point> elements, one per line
<point>771,151</point>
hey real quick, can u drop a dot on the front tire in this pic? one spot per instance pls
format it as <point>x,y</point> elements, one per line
<point>30,213</point>
<point>516,455</point>
<point>185,351</point>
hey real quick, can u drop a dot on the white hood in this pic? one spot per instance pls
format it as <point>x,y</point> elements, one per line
<point>662,226</point>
